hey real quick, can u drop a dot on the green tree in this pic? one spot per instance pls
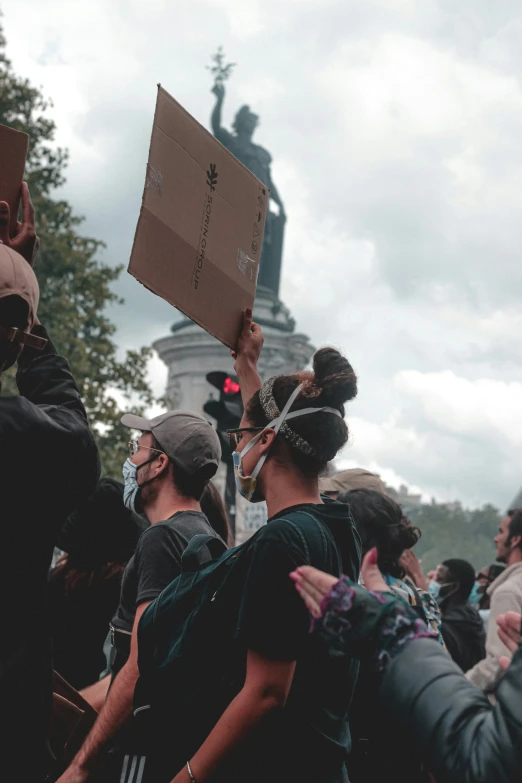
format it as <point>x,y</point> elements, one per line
<point>75,285</point>
<point>455,532</point>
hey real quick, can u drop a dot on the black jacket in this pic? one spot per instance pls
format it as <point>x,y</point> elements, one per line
<point>463,738</point>
<point>464,635</point>
<point>48,463</point>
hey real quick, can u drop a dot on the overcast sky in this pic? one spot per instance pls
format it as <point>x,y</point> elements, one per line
<point>396,132</point>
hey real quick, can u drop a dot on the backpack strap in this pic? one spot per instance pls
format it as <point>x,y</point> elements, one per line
<point>201,549</point>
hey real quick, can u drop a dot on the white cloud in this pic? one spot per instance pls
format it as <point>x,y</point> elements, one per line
<point>395,131</point>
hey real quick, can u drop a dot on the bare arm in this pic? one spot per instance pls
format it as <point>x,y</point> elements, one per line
<point>115,712</point>
<point>266,688</point>
<point>218,130</point>
<point>215,120</point>
<point>246,357</point>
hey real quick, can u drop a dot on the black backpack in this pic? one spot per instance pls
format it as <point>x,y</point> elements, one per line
<point>191,666</point>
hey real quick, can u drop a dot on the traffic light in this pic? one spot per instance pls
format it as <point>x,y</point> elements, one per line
<point>227,411</point>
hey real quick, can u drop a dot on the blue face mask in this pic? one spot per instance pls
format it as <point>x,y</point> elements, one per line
<point>131,487</point>
<point>130,484</point>
<point>434,589</point>
<point>475,596</point>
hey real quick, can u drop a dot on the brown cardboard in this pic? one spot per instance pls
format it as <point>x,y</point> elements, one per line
<point>13,152</point>
<point>200,230</point>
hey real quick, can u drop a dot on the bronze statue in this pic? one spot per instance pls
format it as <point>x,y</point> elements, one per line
<point>258,160</point>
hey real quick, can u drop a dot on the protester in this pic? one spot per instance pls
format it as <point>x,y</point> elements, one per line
<point>286,718</point>
<point>462,736</point>
<point>213,507</point>
<point>505,594</point>
<point>99,538</point>
<point>484,579</point>
<point>48,463</point>
<point>347,480</point>
<point>462,627</point>
<point>380,750</point>
<point>165,476</point>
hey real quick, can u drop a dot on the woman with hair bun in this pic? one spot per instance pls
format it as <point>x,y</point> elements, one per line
<point>379,750</point>
<point>288,722</point>
<point>381,523</point>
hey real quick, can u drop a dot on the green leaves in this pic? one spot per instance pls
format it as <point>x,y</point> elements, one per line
<point>451,531</point>
<point>75,286</point>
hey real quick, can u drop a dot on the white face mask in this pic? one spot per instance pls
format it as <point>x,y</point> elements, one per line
<point>246,485</point>
<point>130,484</point>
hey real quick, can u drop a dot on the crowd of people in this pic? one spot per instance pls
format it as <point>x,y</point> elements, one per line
<point>316,652</point>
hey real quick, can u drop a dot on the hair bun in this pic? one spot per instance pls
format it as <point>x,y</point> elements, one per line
<point>334,378</point>
<point>408,535</point>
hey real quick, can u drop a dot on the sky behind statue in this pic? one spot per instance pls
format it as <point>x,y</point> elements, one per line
<point>395,129</point>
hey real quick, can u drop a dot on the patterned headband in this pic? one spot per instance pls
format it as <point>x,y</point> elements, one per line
<point>271,411</point>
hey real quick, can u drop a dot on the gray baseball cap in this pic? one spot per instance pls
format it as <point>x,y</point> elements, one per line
<point>187,438</point>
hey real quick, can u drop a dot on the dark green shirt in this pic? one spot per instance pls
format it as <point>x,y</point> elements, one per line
<point>307,741</point>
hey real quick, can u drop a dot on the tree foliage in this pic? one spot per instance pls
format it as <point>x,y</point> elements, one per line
<point>75,286</point>
<point>455,532</point>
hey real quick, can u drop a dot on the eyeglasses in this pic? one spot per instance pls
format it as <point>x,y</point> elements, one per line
<point>236,436</point>
<point>133,447</point>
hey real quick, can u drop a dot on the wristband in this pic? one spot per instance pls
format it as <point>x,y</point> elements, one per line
<point>191,776</point>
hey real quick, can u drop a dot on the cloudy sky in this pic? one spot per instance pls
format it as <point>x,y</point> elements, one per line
<point>395,128</point>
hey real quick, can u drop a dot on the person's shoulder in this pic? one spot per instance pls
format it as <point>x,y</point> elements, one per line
<point>286,530</point>
<point>191,522</point>
<point>156,532</point>
<point>511,585</point>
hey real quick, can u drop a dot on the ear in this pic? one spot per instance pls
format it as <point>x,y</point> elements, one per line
<point>514,541</point>
<point>160,464</point>
<point>266,440</point>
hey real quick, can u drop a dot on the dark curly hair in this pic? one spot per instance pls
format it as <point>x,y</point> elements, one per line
<point>380,522</point>
<point>331,383</point>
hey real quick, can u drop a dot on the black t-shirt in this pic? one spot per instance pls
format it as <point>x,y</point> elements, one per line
<point>156,562</point>
<point>79,620</point>
<point>307,741</point>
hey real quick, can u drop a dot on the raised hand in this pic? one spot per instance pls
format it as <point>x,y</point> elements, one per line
<point>312,585</point>
<point>219,90</point>
<point>412,565</point>
<point>25,240</point>
<point>250,342</point>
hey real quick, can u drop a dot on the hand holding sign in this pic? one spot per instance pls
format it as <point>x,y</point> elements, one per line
<point>24,240</point>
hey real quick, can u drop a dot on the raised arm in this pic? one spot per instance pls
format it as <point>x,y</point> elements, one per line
<point>246,357</point>
<point>219,132</point>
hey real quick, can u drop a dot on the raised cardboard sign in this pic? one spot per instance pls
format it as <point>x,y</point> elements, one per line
<point>13,152</point>
<point>200,230</point>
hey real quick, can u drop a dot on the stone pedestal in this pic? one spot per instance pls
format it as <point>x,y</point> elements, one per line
<point>190,353</point>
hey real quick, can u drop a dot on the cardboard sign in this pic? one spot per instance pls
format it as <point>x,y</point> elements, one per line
<point>13,152</point>
<point>200,230</point>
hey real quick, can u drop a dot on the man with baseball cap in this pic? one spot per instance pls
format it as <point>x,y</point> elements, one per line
<point>48,465</point>
<point>167,470</point>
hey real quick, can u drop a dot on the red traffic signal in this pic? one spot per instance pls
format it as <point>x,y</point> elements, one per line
<point>230,386</point>
<point>225,383</point>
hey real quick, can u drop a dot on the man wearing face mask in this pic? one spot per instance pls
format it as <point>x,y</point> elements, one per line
<point>462,628</point>
<point>48,464</point>
<point>167,470</point>
<point>505,593</point>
